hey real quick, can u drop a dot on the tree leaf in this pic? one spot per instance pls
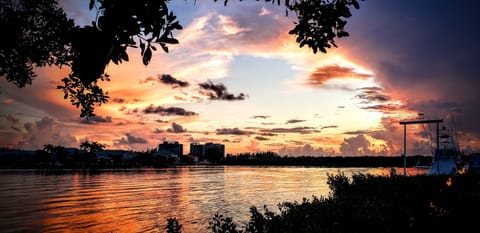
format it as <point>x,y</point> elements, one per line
<point>147,56</point>
<point>142,47</point>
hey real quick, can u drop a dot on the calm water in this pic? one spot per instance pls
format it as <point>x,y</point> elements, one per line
<point>142,200</point>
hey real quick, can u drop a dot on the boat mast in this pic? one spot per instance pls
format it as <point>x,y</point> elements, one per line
<point>405,123</point>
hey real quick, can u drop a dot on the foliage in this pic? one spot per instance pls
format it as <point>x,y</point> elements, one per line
<point>173,226</point>
<point>33,34</point>
<point>91,147</point>
<point>320,22</point>
<point>367,203</point>
<point>222,224</point>
<point>37,33</point>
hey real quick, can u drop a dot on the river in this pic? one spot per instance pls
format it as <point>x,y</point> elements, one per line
<point>142,200</point>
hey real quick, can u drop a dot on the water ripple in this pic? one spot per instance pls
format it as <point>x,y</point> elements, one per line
<point>142,200</point>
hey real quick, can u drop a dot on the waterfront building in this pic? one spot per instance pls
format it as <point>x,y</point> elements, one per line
<point>174,147</point>
<point>198,151</point>
<point>212,152</point>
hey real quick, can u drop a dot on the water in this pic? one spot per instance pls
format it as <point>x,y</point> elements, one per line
<point>142,200</point>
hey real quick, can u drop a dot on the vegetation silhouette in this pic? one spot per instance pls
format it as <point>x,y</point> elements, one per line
<point>92,155</point>
<point>368,203</point>
<point>38,33</point>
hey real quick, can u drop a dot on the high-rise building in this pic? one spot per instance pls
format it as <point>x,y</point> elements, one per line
<point>197,150</point>
<point>174,147</point>
<point>212,152</point>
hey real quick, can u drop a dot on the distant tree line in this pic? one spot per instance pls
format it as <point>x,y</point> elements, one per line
<point>92,155</point>
<point>271,158</point>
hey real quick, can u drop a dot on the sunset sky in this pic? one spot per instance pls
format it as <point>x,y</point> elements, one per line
<point>401,58</point>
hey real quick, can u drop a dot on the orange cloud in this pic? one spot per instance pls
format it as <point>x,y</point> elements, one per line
<point>325,73</point>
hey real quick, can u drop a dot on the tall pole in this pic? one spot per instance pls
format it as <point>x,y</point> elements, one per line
<point>405,150</point>
<point>438,136</point>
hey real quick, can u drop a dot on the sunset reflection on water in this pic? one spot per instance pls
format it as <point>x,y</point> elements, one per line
<point>142,200</point>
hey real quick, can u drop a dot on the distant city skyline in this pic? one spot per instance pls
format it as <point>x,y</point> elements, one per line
<point>237,78</point>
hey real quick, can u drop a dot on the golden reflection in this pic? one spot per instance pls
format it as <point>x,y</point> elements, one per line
<point>449,181</point>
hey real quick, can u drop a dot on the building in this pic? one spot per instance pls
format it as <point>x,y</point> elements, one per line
<point>197,150</point>
<point>174,147</point>
<point>210,151</point>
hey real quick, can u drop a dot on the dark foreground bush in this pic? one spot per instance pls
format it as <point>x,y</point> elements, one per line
<point>367,203</point>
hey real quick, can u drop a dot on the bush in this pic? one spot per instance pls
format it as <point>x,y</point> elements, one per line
<point>367,203</point>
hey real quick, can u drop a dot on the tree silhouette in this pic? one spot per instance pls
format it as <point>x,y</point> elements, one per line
<point>36,33</point>
<point>91,147</point>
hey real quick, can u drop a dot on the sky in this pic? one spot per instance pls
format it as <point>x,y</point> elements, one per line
<point>239,79</point>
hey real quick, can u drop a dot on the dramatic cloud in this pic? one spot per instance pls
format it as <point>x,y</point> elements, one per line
<point>46,131</point>
<point>358,145</point>
<point>373,94</point>
<point>422,69</point>
<point>96,119</point>
<point>325,73</point>
<point>168,111</point>
<point>232,131</point>
<point>218,92</point>
<point>176,128</point>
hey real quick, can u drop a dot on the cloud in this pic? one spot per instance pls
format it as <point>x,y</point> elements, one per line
<point>260,138</point>
<point>260,117</point>
<point>373,94</point>
<point>149,79</point>
<point>218,92</point>
<point>168,111</point>
<point>329,127</point>
<point>358,145</point>
<point>157,131</point>
<point>294,121</point>
<point>385,108</point>
<point>268,134</point>
<point>166,79</point>
<point>176,128</point>
<point>359,132</point>
<point>130,139</point>
<point>232,131</point>
<point>124,101</point>
<point>305,150</point>
<point>421,68</point>
<point>325,73</point>
<point>46,131</point>
<point>300,130</point>
<point>96,119</point>
<point>12,119</point>
<point>16,128</point>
